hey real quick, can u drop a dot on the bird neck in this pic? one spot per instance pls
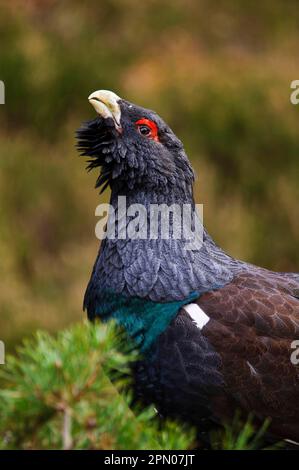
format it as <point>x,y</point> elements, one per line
<point>180,194</point>
<point>164,249</point>
<point>142,281</point>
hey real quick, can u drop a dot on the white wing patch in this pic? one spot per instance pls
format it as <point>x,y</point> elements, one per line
<point>197,314</point>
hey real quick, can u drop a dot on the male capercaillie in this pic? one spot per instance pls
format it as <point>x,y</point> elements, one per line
<point>215,332</point>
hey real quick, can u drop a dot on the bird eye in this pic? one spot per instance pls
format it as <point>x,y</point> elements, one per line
<point>144,130</point>
<point>147,128</point>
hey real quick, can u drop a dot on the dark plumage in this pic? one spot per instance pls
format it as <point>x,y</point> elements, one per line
<point>231,348</point>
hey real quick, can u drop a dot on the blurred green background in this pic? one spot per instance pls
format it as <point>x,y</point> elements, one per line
<point>218,72</point>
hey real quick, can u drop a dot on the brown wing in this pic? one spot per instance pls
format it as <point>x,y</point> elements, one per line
<point>254,321</point>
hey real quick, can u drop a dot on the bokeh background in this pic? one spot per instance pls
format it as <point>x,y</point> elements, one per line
<point>218,72</point>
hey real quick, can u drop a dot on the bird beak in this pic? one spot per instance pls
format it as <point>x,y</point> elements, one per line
<point>106,104</point>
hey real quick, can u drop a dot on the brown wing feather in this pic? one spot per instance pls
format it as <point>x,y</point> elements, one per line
<point>254,320</point>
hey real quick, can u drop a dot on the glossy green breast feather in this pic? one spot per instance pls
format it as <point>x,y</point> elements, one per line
<point>144,320</point>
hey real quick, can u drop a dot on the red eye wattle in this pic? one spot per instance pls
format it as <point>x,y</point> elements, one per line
<point>147,128</point>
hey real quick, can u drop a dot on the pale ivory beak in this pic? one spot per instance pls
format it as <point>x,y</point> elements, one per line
<point>105,103</point>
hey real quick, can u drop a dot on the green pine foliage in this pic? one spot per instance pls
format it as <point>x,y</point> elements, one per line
<point>241,436</point>
<point>55,394</point>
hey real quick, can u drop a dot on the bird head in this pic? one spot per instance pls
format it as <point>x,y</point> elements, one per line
<point>133,147</point>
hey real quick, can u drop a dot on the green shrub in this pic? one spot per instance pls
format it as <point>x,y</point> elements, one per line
<point>55,394</point>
